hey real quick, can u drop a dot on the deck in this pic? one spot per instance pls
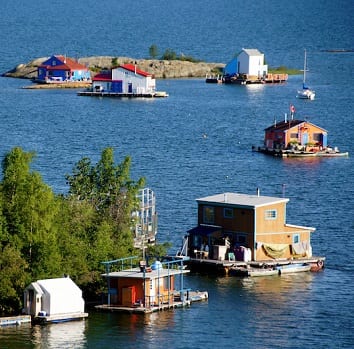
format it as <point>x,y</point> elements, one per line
<point>191,297</point>
<point>223,267</point>
<point>283,153</point>
<point>244,79</point>
<point>60,317</point>
<point>14,320</point>
<point>157,94</point>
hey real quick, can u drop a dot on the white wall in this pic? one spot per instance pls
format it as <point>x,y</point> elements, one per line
<point>140,83</point>
<point>61,296</point>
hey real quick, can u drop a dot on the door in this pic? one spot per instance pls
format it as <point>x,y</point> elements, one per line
<point>130,87</point>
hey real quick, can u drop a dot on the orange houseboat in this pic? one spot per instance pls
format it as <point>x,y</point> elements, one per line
<point>297,138</point>
<point>147,289</point>
<point>241,231</point>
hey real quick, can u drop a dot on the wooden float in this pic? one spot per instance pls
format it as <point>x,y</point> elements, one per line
<point>157,94</point>
<point>14,320</point>
<point>252,268</point>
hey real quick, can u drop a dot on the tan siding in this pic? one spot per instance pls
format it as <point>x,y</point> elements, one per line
<point>270,225</point>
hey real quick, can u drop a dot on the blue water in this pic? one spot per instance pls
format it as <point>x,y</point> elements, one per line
<point>165,139</point>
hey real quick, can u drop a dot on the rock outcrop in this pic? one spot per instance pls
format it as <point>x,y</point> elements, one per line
<point>161,69</point>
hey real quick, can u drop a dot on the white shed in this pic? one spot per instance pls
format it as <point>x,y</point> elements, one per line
<point>53,297</point>
<point>251,62</point>
<point>133,79</point>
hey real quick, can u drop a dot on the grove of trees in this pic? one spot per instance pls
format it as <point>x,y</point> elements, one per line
<point>45,235</point>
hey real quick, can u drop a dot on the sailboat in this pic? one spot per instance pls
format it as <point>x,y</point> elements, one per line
<point>306,92</point>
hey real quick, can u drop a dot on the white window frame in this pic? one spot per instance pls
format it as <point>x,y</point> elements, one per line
<point>271,214</point>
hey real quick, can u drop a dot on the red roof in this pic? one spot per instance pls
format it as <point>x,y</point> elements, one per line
<point>286,125</point>
<point>67,64</point>
<point>104,76</point>
<point>134,69</point>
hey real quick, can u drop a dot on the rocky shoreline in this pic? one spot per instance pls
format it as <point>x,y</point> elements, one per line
<point>161,69</point>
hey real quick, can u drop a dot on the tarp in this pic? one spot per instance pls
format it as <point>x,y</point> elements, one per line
<point>275,250</point>
<point>61,296</point>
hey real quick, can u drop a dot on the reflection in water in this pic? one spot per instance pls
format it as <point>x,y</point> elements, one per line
<point>69,334</point>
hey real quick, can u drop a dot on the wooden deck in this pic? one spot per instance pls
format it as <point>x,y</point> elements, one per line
<point>193,296</point>
<point>157,94</point>
<point>14,320</point>
<point>223,267</point>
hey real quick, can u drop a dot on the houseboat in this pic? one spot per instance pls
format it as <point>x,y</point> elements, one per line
<point>297,138</point>
<point>139,288</point>
<point>246,235</point>
<point>126,80</point>
<point>248,67</point>
<point>54,300</point>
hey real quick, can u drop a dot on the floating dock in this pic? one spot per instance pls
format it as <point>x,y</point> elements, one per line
<point>55,318</point>
<point>259,268</point>
<point>184,299</point>
<point>285,153</point>
<point>158,94</point>
<point>14,320</point>
<point>245,79</point>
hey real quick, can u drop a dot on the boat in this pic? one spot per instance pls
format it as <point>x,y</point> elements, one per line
<point>146,289</point>
<point>273,269</point>
<point>306,92</point>
<point>250,271</point>
<point>297,139</point>
<point>329,152</point>
<point>293,268</point>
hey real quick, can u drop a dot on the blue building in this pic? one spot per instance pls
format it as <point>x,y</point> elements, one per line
<point>61,68</point>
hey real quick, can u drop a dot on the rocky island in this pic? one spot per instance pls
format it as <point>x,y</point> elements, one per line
<point>161,69</point>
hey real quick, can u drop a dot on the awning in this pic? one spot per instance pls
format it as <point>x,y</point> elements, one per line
<point>205,230</point>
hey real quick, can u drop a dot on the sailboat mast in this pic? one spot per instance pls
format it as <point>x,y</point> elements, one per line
<point>304,69</point>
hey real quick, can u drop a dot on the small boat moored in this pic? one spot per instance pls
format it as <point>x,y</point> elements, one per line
<point>293,268</point>
<point>306,92</point>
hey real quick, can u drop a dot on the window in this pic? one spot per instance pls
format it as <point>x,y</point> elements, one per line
<point>208,214</point>
<point>241,239</point>
<point>293,135</point>
<point>166,283</point>
<point>270,214</point>
<point>317,137</point>
<point>296,238</point>
<point>228,213</point>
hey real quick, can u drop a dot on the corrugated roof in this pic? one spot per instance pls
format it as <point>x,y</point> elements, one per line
<point>133,68</point>
<point>104,76</point>
<point>243,200</point>
<point>284,125</point>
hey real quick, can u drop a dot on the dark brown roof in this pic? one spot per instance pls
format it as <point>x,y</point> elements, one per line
<point>283,125</point>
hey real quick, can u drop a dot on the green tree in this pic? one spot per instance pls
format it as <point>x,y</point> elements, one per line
<point>153,51</point>
<point>112,194</point>
<point>114,62</point>
<point>29,209</point>
<point>14,278</point>
<point>169,55</point>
